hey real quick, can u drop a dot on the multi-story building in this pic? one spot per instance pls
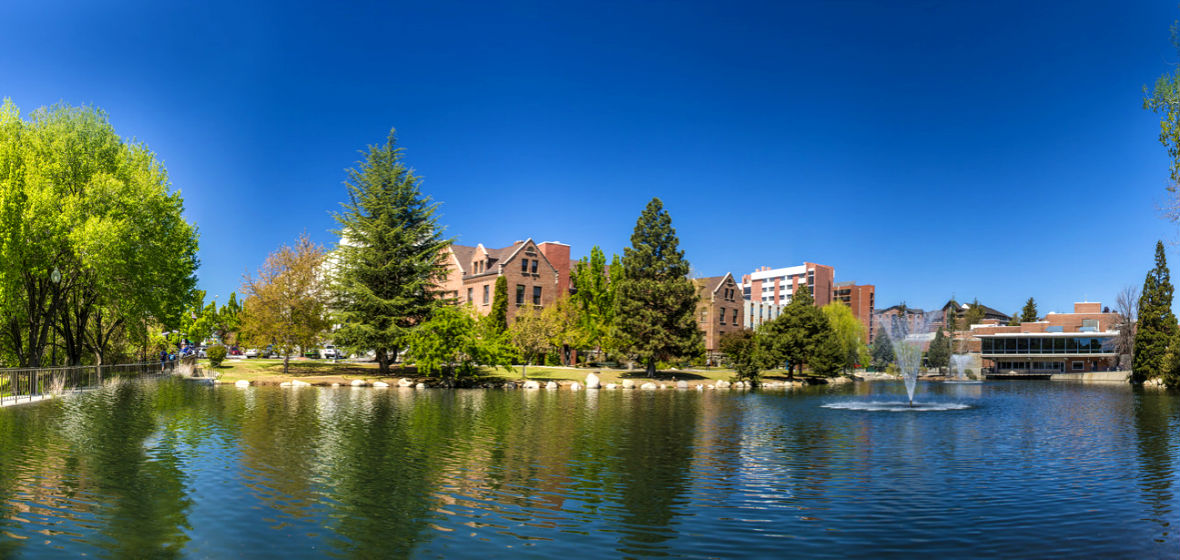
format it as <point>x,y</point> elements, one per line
<point>861,300</point>
<point>777,285</point>
<point>537,274</point>
<point>719,309</point>
<point>1081,341</point>
<point>756,313</point>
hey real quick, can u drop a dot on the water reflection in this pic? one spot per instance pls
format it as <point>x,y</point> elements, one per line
<point>1155,415</point>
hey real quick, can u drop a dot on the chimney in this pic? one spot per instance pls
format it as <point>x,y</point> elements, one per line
<point>558,255</point>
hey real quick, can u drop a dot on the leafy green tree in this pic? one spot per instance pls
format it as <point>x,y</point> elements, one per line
<point>216,354</point>
<point>452,344</point>
<point>656,304</point>
<point>498,318</point>
<point>532,333</point>
<point>850,333</point>
<point>1156,329</point>
<point>882,349</point>
<point>595,288</point>
<point>748,353</point>
<point>285,305</point>
<point>387,266</point>
<point>1029,313</point>
<point>91,236</point>
<point>1164,99</point>
<point>939,353</point>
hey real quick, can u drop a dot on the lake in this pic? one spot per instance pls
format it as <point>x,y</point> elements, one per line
<point>1025,469</point>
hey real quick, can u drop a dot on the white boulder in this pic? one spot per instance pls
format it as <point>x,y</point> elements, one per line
<point>420,385</point>
<point>592,381</point>
<point>700,387</point>
<point>298,383</point>
<point>723,384</point>
<point>359,383</point>
<point>551,385</point>
<point>682,384</point>
<point>531,385</point>
<point>403,382</point>
<point>649,386</point>
<point>612,386</point>
<point>242,383</point>
<point>575,386</point>
<point>628,384</point>
<point>380,384</point>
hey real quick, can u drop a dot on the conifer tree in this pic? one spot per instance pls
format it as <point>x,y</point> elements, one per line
<point>656,301</point>
<point>388,263</point>
<point>1029,313</point>
<point>882,349</point>
<point>797,335</point>
<point>498,318</point>
<point>939,354</point>
<point>1156,329</point>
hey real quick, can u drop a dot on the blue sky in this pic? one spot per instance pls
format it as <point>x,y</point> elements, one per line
<point>987,149</point>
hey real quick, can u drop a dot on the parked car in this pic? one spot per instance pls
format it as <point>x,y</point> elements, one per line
<point>251,353</point>
<point>329,352</point>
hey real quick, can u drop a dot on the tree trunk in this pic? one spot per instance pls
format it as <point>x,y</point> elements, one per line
<point>286,361</point>
<point>651,367</point>
<point>382,362</point>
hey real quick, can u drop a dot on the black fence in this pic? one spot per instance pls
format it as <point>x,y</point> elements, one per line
<point>31,384</point>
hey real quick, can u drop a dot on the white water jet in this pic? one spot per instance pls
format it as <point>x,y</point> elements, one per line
<point>905,333</point>
<point>959,366</point>
<point>879,406</point>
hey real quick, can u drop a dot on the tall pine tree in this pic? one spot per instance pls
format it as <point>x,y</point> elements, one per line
<point>656,300</point>
<point>388,263</point>
<point>1157,325</point>
<point>498,318</point>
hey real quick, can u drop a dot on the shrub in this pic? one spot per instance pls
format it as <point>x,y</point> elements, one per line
<point>216,355</point>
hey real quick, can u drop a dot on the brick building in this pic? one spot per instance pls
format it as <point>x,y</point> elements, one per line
<point>861,300</point>
<point>719,309</point>
<point>779,284</point>
<point>537,274</point>
<point>1081,341</point>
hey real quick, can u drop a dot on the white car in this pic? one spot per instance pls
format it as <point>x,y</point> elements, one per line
<point>329,352</point>
<point>251,353</point>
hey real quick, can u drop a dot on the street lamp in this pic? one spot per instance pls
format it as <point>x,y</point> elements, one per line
<point>55,277</point>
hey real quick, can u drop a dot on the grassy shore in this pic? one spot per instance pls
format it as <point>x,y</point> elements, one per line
<point>326,372</point>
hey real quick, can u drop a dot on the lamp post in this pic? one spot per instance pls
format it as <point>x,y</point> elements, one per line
<point>55,277</point>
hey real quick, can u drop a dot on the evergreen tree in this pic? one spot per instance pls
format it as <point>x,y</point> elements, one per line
<point>747,353</point>
<point>827,354</point>
<point>939,354</point>
<point>656,299</point>
<point>882,349</point>
<point>974,314</point>
<point>798,332</point>
<point>1014,320</point>
<point>387,265</point>
<point>498,318</point>
<point>1156,329</point>
<point>1029,313</point>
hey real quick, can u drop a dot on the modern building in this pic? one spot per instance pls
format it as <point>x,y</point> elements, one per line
<point>719,309</point>
<point>756,313</point>
<point>777,285</point>
<point>860,299</point>
<point>537,273</point>
<point>1077,342</point>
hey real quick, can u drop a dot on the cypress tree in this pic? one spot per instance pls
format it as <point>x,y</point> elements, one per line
<point>656,300</point>
<point>1157,325</point>
<point>387,266</point>
<point>939,354</point>
<point>498,318</point>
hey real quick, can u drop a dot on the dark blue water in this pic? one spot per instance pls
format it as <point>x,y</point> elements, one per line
<point>168,469</point>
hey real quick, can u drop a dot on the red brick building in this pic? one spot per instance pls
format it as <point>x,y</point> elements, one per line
<point>537,274</point>
<point>861,300</point>
<point>719,309</point>
<point>1077,342</point>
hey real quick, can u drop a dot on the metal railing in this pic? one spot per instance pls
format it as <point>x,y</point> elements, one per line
<point>31,384</point>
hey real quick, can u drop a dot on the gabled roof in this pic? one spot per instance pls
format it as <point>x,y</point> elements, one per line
<point>712,283</point>
<point>496,257</point>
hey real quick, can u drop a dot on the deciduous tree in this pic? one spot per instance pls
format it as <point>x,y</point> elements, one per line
<point>849,333</point>
<point>286,302</point>
<point>451,343</point>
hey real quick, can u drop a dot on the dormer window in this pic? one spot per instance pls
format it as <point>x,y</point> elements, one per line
<point>524,266</point>
<point>534,266</point>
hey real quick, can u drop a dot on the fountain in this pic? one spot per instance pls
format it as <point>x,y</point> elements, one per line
<point>904,333</point>
<point>959,365</point>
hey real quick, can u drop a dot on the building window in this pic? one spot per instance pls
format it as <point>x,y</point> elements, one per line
<point>534,266</point>
<point>524,266</point>
<point>470,295</point>
<point>721,316</point>
<point>520,294</point>
<point>1077,366</point>
<point>536,295</point>
<point>704,316</point>
<point>486,292</point>
<point>735,316</point>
